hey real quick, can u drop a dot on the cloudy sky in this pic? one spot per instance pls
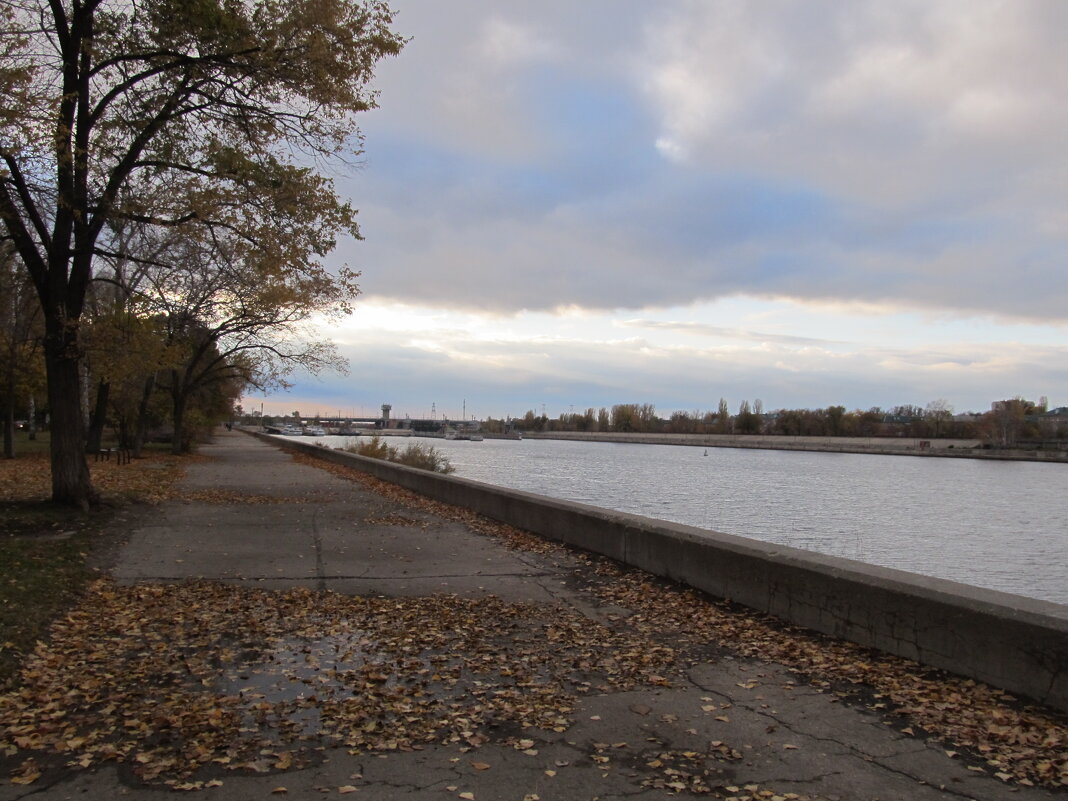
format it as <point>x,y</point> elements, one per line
<point>811,202</point>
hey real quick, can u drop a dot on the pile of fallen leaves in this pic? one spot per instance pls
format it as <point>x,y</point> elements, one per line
<point>27,478</point>
<point>172,679</point>
<point>43,547</point>
<point>1010,739</point>
<point>151,479</point>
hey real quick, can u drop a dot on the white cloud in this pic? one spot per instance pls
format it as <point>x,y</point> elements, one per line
<point>888,101</point>
<point>505,42</point>
<point>682,359</point>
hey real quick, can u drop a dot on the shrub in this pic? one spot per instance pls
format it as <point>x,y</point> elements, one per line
<point>423,457</point>
<point>375,448</point>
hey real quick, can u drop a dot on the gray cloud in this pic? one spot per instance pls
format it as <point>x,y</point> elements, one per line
<point>627,155</point>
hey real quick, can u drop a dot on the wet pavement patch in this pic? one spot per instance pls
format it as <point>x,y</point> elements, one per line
<point>172,680</point>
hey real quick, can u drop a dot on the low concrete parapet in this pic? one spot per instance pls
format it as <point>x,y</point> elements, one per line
<point>1016,643</point>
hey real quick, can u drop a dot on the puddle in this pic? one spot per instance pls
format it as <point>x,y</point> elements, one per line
<point>332,687</point>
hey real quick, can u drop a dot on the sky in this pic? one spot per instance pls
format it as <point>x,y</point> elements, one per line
<point>807,202</point>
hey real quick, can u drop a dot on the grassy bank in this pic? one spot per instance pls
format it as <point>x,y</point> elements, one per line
<point>39,577</point>
<point>44,549</point>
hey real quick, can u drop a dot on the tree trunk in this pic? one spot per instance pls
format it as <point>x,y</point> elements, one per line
<point>33,417</point>
<point>178,443</point>
<point>98,418</point>
<point>9,428</point>
<point>141,424</point>
<point>9,411</point>
<point>71,484</point>
<point>124,432</point>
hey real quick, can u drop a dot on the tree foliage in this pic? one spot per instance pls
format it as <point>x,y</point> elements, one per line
<point>199,114</point>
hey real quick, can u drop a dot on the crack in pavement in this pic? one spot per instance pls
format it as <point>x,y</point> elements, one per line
<point>849,750</point>
<point>317,542</point>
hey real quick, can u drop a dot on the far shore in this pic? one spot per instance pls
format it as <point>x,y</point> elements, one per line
<point>883,446</point>
<point>891,446</point>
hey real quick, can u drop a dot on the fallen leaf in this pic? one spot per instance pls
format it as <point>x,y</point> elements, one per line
<point>26,778</point>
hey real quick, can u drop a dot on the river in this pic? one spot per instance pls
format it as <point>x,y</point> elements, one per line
<point>999,525</point>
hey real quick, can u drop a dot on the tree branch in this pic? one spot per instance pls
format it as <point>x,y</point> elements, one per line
<point>26,199</point>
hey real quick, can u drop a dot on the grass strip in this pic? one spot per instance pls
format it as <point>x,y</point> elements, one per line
<point>44,548</point>
<point>39,577</point>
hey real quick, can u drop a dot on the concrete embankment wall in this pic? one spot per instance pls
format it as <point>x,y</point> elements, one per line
<point>1009,641</point>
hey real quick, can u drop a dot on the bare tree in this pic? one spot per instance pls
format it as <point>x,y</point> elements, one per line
<point>938,413</point>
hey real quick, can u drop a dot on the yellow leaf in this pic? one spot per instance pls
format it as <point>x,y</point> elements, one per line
<point>26,778</point>
<point>285,760</point>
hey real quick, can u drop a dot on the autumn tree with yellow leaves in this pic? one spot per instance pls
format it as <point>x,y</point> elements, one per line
<point>108,102</point>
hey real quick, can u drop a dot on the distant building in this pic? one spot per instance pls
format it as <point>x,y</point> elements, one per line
<point>1054,421</point>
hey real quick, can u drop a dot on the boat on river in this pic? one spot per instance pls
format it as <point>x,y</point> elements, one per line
<point>470,436</point>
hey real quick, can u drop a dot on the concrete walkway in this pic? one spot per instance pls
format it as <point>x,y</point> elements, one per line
<point>289,525</point>
<point>268,522</point>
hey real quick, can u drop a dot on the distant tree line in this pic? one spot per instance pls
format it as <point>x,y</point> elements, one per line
<point>1008,423</point>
